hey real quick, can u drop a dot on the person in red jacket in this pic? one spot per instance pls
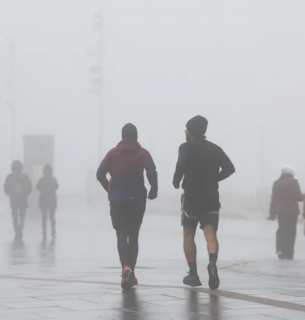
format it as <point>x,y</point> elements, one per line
<point>286,195</point>
<point>127,195</point>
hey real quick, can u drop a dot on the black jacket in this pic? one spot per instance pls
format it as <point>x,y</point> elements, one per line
<point>48,198</point>
<point>203,165</point>
<point>18,186</point>
<point>286,195</point>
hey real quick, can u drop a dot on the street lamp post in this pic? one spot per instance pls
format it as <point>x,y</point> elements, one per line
<point>11,99</point>
<point>262,157</point>
<point>96,74</point>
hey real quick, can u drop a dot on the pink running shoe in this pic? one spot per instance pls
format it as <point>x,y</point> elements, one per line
<point>126,283</point>
<point>134,281</point>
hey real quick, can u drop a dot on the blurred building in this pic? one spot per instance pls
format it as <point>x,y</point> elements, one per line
<point>38,150</point>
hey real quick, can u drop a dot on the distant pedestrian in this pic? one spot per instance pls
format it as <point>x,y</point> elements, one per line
<point>127,195</point>
<point>286,195</point>
<point>48,186</point>
<point>18,187</point>
<point>203,165</point>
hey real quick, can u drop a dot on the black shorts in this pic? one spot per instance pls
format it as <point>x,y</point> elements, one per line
<point>193,213</point>
<point>127,215</point>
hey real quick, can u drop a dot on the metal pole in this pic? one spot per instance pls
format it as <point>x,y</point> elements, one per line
<point>262,169</point>
<point>101,90</point>
<point>98,69</point>
<point>262,157</point>
<point>11,102</point>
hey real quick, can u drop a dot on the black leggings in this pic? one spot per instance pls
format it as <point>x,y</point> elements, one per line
<point>128,245</point>
<point>126,220</point>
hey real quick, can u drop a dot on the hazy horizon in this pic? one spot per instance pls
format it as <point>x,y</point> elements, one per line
<point>240,64</point>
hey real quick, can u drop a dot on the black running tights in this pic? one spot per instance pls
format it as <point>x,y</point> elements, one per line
<point>128,246</point>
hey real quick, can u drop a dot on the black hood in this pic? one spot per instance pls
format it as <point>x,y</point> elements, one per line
<point>130,132</point>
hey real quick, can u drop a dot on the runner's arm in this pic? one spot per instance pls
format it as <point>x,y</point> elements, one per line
<point>152,176</point>
<point>226,165</point>
<point>101,174</point>
<point>180,167</point>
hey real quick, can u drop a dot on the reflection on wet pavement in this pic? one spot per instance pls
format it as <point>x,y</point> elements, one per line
<point>78,276</point>
<point>17,252</point>
<point>130,305</point>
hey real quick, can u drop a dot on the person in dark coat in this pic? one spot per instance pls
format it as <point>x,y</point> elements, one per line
<point>286,195</point>
<point>127,195</point>
<point>48,186</point>
<point>18,187</point>
<point>201,165</point>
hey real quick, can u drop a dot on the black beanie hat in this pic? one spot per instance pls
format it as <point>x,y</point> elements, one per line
<point>47,170</point>
<point>197,126</point>
<point>130,132</point>
<point>17,166</point>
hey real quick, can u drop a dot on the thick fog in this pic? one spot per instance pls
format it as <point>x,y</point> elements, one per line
<point>238,63</point>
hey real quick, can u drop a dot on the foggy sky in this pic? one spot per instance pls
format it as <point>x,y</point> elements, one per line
<point>239,63</point>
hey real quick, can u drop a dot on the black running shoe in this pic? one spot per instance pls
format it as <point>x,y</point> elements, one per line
<point>192,281</point>
<point>281,255</point>
<point>214,281</point>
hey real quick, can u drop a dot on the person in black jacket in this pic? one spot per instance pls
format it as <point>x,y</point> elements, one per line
<point>48,186</point>
<point>203,165</point>
<point>127,195</point>
<point>18,187</point>
<point>284,206</point>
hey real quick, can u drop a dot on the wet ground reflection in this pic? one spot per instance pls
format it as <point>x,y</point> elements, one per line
<point>202,305</point>
<point>47,253</point>
<point>17,252</point>
<point>215,307</point>
<point>130,306</point>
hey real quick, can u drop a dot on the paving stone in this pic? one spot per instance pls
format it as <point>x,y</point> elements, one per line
<point>79,277</point>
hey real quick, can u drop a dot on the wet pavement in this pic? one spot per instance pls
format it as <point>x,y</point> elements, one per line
<point>78,277</point>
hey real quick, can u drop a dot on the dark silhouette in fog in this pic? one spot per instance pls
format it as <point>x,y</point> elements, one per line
<point>286,194</point>
<point>48,185</point>
<point>201,165</point>
<point>127,195</point>
<point>18,187</point>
